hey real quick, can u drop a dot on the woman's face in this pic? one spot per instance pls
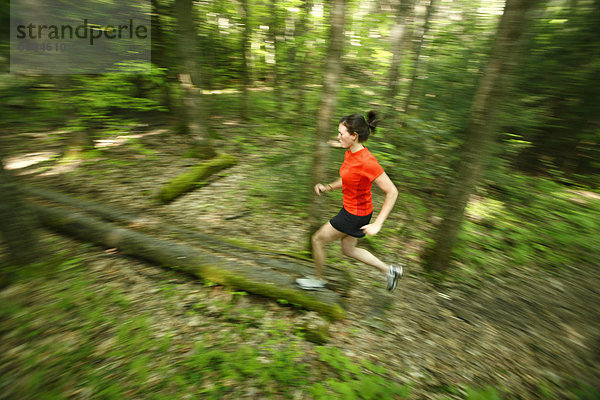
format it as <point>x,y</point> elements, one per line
<point>346,139</point>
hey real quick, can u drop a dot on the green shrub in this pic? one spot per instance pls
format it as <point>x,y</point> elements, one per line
<point>354,381</point>
<point>553,229</point>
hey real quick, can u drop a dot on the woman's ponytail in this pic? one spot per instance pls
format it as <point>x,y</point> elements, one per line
<point>372,120</point>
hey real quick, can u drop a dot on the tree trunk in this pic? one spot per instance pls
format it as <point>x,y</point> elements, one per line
<point>274,29</point>
<point>18,227</point>
<point>397,38</point>
<point>78,142</point>
<point>245,72</point>
<point>325,128</point>
<point>209,55</point>
<point>195,116</point>
<point>241,274</point>
<point>159,53</point>
<point>340,279</point>
<point>481,128</point>
<point>300,58</point>
<point>417,60</point>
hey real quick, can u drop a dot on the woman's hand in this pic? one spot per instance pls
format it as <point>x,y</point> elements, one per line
<point>320,188</point>
<point>371,229</point>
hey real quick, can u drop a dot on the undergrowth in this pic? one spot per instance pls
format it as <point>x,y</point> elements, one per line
<point>535,223</point>
<point>64,336</point>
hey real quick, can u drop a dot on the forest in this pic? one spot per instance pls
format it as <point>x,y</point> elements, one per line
<point>159,160</point>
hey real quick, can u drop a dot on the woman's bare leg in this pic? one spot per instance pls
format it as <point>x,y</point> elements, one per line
<point>327,233</point>
<point>349,249</point>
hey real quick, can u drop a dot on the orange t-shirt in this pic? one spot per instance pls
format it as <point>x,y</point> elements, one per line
<point>358,172</point>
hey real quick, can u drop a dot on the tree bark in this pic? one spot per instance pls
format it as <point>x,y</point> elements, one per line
<point>300,58</point>
<point>417,60</point>
<point>241,275</point>
<point>339,278</point>
<point>481,128</point>
<point>159,53</point>
<point>78,142</point>
<point>397,39</point>
<point>325,128</point>
<point>18,227</point>
<point>209,55</point>
<point>245,72</point>
<point>274,30</point>
<point>194,113</point>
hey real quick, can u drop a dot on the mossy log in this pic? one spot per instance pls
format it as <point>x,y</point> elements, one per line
<point>90,207</point>
<point>195,178</point>
<point>238,275</point>
<point>339,279</point>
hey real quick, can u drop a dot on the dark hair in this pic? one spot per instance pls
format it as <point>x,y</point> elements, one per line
<point>356,123</point>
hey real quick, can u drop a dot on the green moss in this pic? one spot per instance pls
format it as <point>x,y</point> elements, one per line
<point>195,178</point>
<point>293,296</point>
<point>318,334</point>
<point>241,243</point>
<point>300,255</point>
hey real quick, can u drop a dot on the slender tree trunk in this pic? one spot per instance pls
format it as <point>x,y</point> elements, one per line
<point>417,60</point>
<point>78,142</point>
<point>164,58</point>
<point>274,30</point>
<point>189,78</point>
<point>300,57</point>
<point>210,55</point>
<point>481,128</point>
<point>18,227</point>
<point>245,72</point>
<point>397,38</point>
<point>325,128</point>
<point>159,56</point>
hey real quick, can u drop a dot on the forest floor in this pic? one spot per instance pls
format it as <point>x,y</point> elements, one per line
<point>528,333</point>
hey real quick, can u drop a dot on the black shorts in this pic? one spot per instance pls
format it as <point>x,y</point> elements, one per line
<point>350,224</point>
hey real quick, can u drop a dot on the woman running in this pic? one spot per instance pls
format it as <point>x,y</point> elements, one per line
<point>357,174</point>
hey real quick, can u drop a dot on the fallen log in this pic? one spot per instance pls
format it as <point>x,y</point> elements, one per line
<point>195,178</point>
<point>241,276</point>
<point>105,212</point>
<point>339,279</point>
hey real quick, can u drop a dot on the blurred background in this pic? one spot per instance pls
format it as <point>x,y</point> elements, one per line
<point>489,126</point>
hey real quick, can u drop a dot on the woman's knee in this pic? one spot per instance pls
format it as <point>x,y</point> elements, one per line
<point>325,235</point>
<point>348,248</point>
<point>346,251</point>
<point>315,239</point>
<point>318,238</point>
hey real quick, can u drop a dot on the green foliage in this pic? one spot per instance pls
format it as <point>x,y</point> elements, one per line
<point>100,101</point>
<point>488,393</point>
<point>274,366</point>
<point>531,221</point>
<point>103,346</point>
<point>581,391</point>
<point>555,98</point>
<point>354,381</point>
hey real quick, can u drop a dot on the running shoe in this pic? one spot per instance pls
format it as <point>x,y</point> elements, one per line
<point>311,283</point>
<point>395,272</point>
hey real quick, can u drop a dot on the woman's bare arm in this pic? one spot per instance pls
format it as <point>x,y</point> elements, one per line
<point>391,194</point>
